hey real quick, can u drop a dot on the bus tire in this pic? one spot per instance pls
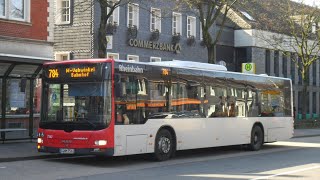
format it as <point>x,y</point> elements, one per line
<point>164,147</point>
<point>256,141</point>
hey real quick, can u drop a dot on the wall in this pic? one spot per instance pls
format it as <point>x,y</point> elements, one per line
<point>120,40</point>
<point>76,36</point>
<point>36,29</point>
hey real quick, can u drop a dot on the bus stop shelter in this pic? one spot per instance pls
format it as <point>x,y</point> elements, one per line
<point>20,89</point>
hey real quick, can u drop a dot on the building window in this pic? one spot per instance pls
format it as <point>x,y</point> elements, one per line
<point>2,8</point>
<point>314,104</point>
<point>314,73</point>
<point>267,62</point>
<point>62,56</point>
<point>299,74</point>
<point>293,67</point>
<point>114,56</point>
<point>315,27</point>
<point>114,18</point>
<point>133,15</point>
<point>155,59</point>
<point>176,23</point>
<point>191,26</point>
<point>63,12</point>
<point>133,58</point>
<point>155,20</point>
<point>284,64</point>
<point>318,72</point>
<point>15,10</point>
<point>276,63</point>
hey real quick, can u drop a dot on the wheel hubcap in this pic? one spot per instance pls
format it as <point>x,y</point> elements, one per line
<point>255,138</point>
<point>164,144</point>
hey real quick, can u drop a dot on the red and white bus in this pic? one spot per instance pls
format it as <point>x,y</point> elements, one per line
<point>115,108</point>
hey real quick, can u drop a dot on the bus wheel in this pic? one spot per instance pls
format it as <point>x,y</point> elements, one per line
<point>163,145</point>
<point>256,139</point>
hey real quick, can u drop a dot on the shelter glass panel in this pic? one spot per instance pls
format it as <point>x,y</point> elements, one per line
<point>17,107</point>
<point>23,70</point>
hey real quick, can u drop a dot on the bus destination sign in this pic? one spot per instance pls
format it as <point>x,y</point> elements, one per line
<point>74,72</point>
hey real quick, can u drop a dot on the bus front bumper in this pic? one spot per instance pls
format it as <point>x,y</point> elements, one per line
<point>78,151</point>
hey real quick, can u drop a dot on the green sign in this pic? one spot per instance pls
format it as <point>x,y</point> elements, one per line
<point>249,68</point>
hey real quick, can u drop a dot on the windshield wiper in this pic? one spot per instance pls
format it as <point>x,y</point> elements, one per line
<point>83,119</point>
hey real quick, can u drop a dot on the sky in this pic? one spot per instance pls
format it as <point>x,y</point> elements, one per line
<point>310,2</point>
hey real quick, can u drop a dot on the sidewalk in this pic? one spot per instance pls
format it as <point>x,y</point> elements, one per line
<point>306,133</point>
<point>21,150</point>
<point>26,150</point>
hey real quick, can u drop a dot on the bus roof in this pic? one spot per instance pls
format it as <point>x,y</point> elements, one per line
<point>79,61</point>
<point>192,64</point>
<point>174,63</point>
<point>197,66</point>
<point>182,64</point>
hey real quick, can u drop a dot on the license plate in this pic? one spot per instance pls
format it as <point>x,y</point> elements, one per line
<point>66,151</point>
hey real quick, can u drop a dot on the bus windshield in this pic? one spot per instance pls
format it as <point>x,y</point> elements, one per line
<point>85,105</point>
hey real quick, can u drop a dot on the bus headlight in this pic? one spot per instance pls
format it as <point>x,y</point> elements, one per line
<point>100,142</point>
<point>40,140</point>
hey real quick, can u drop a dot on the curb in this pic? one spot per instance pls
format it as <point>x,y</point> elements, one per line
<point>12,159</point>
<point>303,136</point>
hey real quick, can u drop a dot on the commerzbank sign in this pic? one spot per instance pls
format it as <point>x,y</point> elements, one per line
<point>155,45</point>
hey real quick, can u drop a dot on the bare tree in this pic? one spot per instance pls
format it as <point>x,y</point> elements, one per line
<point>210,12</point>
<point>107,8</point>
<point>298,33</point>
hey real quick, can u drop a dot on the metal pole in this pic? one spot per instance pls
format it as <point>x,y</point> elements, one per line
<point>31,102</point>
<point>31,108</point>
<point>4,100</point>
<point>3,107</point>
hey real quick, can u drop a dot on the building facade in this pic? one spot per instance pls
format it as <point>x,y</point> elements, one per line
<point>143,32</point>
<point>26,42</point>
<point>147,31</point>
